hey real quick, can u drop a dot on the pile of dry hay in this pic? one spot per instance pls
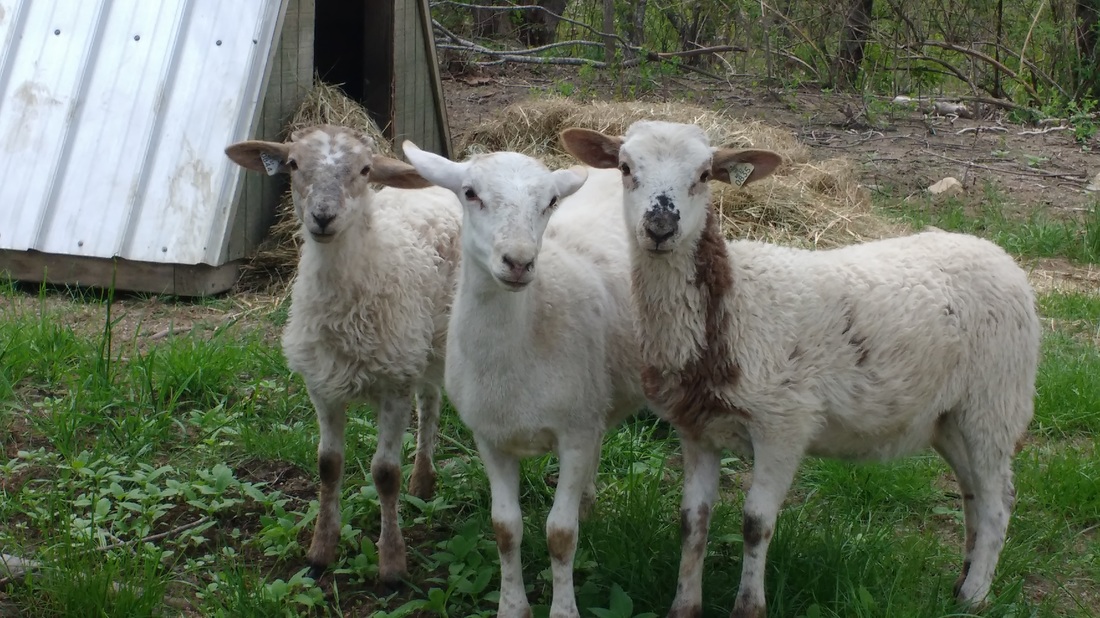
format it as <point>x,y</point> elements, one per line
<point>806,203</point>
<point>273,263</point>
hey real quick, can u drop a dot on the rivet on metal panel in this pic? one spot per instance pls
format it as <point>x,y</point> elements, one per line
<point>57,31</point>
<point>218,42</point>
<point>164,249</point>
<point>137,37</point>
<point>80,243</point>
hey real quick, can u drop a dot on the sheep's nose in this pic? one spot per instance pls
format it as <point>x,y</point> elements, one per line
<point>660,226</point>
<point>518,266</point>
<point>323,220</point>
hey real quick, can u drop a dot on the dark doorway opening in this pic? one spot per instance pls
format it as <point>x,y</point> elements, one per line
<point>353,47</point>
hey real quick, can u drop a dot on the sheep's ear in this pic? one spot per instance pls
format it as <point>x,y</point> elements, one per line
<point>740,167</point>
<point>267,157</point>
<point>592,147</point>
<point>394,173</point>
<point>435,169</point>
<point>569,180</point>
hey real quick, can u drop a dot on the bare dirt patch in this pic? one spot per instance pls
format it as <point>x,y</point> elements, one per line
<point>896,149</point>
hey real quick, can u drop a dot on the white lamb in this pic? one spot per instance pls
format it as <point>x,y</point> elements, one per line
<point>871,351</point>
<point>368,314</point>
<point>537,363</point>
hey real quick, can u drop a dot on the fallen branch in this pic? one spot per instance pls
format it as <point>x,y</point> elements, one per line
<point>1043,131</point>
<point>1012,171</point>
<point>980,129</point>
<point>14,567</point>
<point>156,537</point>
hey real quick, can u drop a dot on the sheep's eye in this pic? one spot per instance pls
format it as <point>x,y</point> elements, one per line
<point>365,171</point>
<point>553,203</point>
<point>705,176</point>
<point>470,195</point>
<point>292,164</point>
<point>625,169</point>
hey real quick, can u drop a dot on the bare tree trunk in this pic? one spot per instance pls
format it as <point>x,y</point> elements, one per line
<point>541,27</point>
<point>635,29</point>
<point>857,30</point>
<point>1088,33</point>
<point>490,23</point>
<point>609,28</point>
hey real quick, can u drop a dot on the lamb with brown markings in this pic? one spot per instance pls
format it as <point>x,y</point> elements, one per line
<point>867,352</point>
<point>368,311</point>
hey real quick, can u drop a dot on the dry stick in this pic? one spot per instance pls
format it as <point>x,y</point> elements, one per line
<point>985,57</point>
<point>156,537</point>
<point>1004,171</point>
<point>947,65</point>
<point>1043,131</point>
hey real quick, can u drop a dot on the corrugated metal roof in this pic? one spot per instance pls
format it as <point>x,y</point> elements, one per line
<point>114,115</point>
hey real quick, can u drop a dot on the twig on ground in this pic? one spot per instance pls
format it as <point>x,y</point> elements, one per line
<point>156,537</point>
<point>1009,171</point>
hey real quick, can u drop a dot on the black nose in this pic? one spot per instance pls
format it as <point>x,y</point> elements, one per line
<point>660,226</point>
<point>323,220</point>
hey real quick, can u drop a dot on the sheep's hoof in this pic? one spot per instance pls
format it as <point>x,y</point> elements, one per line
<point>316,571</point>
<point>422,484</point>
<point>695,611</point>
<point>392,580</point>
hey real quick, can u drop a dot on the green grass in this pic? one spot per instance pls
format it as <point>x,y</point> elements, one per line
<point>1035,234</point>
<point>206,436</point>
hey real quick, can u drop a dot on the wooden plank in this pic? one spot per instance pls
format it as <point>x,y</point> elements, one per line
<point>156,278</point>
<point>378,64</point>
<point>436,83</point>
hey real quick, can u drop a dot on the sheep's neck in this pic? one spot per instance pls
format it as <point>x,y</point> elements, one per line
<point>688,355</point>
<point>486,302</point>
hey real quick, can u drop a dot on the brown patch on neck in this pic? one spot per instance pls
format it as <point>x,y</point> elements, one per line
<point>689,394</point>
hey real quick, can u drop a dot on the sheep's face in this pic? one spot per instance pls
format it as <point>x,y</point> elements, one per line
<point>330,169</point>
<point>666,167</point>
<point>508,199</point>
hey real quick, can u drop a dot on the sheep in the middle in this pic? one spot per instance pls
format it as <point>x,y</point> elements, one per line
<point>541,353</point>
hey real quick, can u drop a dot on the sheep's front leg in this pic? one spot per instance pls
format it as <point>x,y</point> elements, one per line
<point>701,466</point>
<point>385,469</point>
<point>773,470</point>
<point>422,483</point>
<point>577,461</point>
<point>503,472</point>
<point>331,418</point>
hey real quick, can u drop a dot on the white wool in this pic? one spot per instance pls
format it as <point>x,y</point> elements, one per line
<point>543,357</point>
<point>871,351</point>
<point>369,310</point>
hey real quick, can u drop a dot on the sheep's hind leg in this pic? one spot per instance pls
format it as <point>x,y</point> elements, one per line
<point>701,465</point>
<point>331,418</point>
<point>994,497</point>
<point>385,469</point>
<point>950,445</point>
<point>422,483</point>
<point>503,472</point>
<point>588,498</point>
<point>773,470</point>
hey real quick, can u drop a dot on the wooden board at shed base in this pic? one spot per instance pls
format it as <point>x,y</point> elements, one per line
<point>176,279</point>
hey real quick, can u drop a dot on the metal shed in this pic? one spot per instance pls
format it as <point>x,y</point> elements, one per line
<point>114,115</point>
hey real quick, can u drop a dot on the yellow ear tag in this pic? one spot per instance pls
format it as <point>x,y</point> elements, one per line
<point>739,173</point>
